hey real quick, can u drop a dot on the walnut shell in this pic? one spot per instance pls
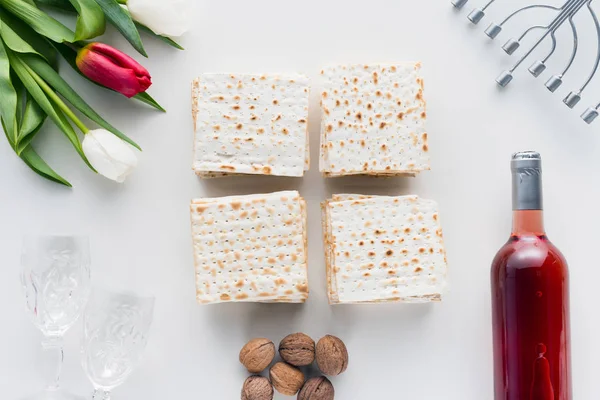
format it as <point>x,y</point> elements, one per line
<point>286,379</point>
<point>319,388</point>
<point>257,355</point>
<point>332,355</point>
<point>297,349</point>
<point>257,388</point>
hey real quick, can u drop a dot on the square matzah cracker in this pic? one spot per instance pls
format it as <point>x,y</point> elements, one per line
<point>250,124</point>
<point>250,248</point>
<point>373,121</point>
<point>381,249</point>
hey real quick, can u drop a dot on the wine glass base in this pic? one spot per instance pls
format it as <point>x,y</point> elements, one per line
<point>53,395</point>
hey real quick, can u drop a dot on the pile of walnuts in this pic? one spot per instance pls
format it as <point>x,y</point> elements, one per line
<point>296,350</point>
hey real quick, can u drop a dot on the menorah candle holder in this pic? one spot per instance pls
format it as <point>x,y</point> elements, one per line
<point>563,15</point>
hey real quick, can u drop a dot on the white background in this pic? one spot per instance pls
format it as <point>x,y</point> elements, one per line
<point>140,231</point>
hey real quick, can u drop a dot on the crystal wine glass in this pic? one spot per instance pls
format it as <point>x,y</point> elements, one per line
<point>115,331</point>
<point>55,274</point>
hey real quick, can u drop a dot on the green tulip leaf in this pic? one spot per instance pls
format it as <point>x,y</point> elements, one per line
<point>33,83</point>
<point>31,123</point>
<point>90,22</point>
<point>38,20</point>
<point>26,142</point>
<point>62,5</point>
<point>146,98</point>
<point>21,93</point>
<point>62,87</point>
<point>8,99</point>
<point>165,39</point>
<point>38,165</point>
<point>69,132</point>
<point>17,27</point>
<point>30,116</point>
<point>8,137</point>
<point>121,19</point>
<point>14,41</point>
<point>70,55</point>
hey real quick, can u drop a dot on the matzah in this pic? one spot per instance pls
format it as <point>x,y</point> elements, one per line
<point>373,121</point>
<point>383,249</point>
<point>250,248</point>
<point>250,124</point>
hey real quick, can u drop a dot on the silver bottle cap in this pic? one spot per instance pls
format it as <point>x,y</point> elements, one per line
<point>526,167</point>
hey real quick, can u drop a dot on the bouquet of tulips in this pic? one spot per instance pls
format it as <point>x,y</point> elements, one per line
<point>32,90</point>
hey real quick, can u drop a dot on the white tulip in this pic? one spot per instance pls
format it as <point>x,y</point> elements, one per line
<point>164,17</point>
<point>109,155</point>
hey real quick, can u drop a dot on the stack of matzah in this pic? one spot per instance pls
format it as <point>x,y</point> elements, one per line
<point>250,248</point>
<point>381,249</point>
<point>250,124</point>
<point>373,121</point>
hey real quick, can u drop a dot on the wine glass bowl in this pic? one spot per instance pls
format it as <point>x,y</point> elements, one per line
<point>116,327</point>
<point>55,277</point>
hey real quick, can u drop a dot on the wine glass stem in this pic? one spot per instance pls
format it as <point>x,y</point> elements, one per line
<point>53,351</point>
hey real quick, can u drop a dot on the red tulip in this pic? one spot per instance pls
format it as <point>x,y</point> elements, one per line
<point>111,68</point>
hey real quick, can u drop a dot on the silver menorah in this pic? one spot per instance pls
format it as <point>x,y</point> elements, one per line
<point>563,14</point>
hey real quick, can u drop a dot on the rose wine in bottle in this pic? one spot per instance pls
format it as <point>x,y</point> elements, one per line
<point>530,299</point>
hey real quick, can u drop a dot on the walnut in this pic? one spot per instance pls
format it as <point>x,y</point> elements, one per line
<point>257,354</point>
<point>297,349</point>
<point>286,379</point>
<point>332,355</point>
<point>319,388</point>
<point>257,388</point>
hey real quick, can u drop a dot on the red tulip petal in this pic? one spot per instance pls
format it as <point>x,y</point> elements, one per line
<point>101,70</point>
<point>119,58</point>
<point>113,69</point>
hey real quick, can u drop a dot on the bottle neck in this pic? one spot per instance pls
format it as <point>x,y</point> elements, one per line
<point>527,198</point>
<point>528,222</point>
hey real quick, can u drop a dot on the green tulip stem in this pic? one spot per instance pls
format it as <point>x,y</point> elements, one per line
<point>122,1</point>
<point>57,100</point>
<point>74,46</point>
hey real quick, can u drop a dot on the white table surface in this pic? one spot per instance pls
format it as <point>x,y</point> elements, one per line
<point>141,236</point>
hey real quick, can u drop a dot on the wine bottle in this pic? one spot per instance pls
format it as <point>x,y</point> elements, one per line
<point>530,299</point>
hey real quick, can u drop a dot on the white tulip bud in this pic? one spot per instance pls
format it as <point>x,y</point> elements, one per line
<point>109,155</point>
<point>163,17</point>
